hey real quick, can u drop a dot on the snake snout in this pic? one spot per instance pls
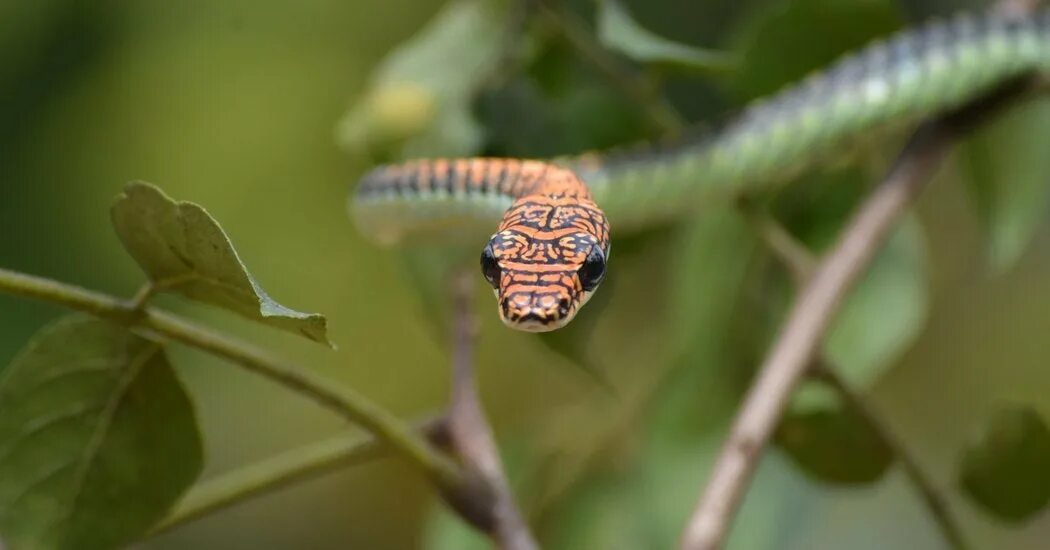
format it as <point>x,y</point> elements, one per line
<point>536,312</point>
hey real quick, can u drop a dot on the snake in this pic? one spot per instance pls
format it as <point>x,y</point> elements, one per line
<point>551,246</point>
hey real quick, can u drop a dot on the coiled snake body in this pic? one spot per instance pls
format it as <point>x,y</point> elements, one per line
<point>549,251</point>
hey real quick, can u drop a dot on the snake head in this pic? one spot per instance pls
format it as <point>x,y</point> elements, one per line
<point>543,275</point>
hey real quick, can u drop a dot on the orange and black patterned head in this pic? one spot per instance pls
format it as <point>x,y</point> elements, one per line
<point>546,259</point>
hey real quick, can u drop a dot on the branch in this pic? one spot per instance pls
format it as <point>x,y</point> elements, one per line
<point>356,408</point>
<point>275,473</point>
<point>788,250</point>
<point>813,311</point>
<point>934,501</point>
<point>493,510</point>
<point>799,261</point>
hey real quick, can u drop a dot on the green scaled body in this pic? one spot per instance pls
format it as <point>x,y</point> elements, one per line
<point>889,85</point>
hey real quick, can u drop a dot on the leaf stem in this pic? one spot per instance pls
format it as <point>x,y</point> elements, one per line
<point>145,292</point>
<point>277,472</point>
<point>340,399</point>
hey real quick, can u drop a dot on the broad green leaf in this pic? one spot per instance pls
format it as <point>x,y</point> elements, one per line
<point>183,249</point>
<point>1006,469</point>
<point>1008,172</point>
<point>886,311</point>
<point>97,438</point>
<point>418,102</point>
<point>830,441</point>
<point>619,32</point>
<point>778,44</point>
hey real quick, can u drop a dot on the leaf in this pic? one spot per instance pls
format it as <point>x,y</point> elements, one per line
<point>777,44</point>
<point>418,102</point>
<point>183,249</point>
<point>886,311</point>
<point>619,32</point>
<point>1006,469</point>
<point>1009,179</point>
<point>830,441</point>
<point>97,438</point>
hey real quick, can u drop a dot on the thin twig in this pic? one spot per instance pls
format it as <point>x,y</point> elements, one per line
<point>788,359</point>
<point>793,254</point>
<point>338,398</point>
<point>275,473</point>
<point>471,437</point>
<point>933,499</point>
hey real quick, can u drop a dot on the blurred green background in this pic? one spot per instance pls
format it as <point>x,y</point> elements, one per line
<point>234,105</point>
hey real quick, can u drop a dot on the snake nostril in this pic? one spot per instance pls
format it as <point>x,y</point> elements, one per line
<point>563,307</point>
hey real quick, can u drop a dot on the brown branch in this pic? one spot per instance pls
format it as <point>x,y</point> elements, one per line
<point>799,261</point>
<point>788,359</point>
<point>490,505</point>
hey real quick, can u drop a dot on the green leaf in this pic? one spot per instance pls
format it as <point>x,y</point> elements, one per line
<point>619,32</point>
<point>777,45</point>
<point>97,438</point>
<point>886,311</point>
<point>829,440</point>
<point>1009,179</point>
<point>1007,467</point>
<point>183,249</point>
<point>418,102</point>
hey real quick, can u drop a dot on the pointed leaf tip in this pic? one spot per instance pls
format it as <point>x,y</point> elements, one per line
<point>184,250</point>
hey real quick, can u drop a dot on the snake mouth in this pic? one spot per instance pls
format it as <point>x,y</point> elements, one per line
<point>534,322</point>
<point>536,312</point>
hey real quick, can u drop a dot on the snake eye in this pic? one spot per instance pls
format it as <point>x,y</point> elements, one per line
<point>489,266</point>
<point>593,270</point>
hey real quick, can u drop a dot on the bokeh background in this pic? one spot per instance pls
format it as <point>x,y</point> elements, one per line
<point>235,105</point>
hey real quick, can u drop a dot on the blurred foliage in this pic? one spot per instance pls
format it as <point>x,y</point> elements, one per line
<point>418,101</point>
<point>232,105</point>
<point>1005,467</point>
<point>1007,180</point>
<point>619,32</point>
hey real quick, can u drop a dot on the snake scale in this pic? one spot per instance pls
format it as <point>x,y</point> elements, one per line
<point>551,244</point>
